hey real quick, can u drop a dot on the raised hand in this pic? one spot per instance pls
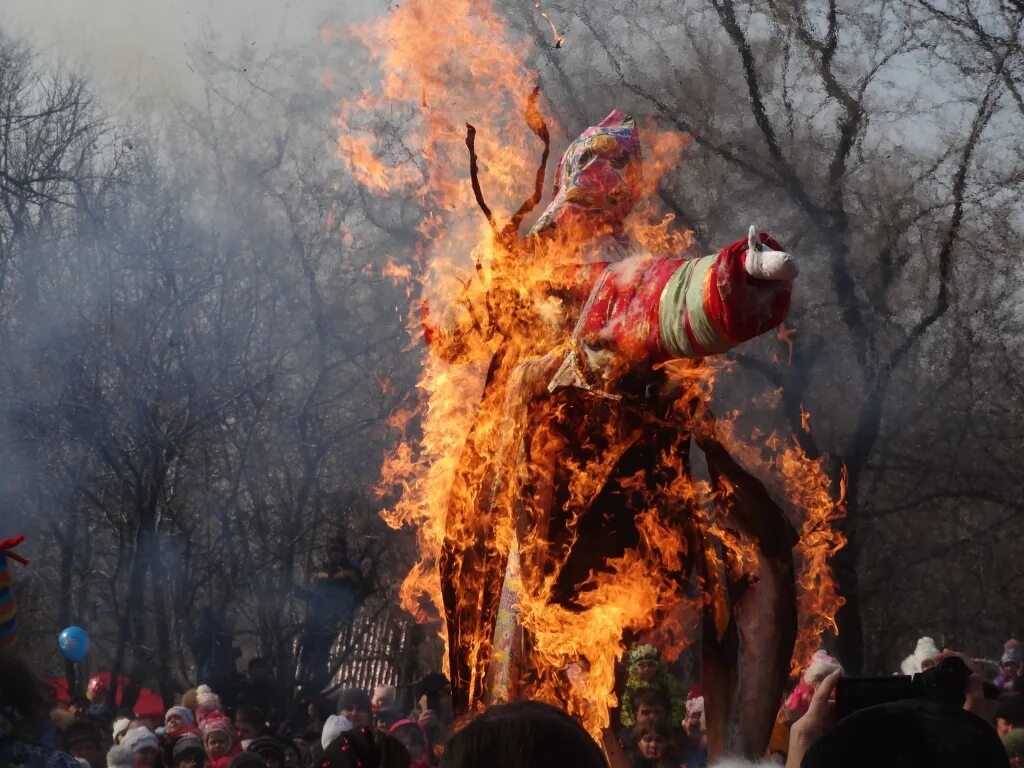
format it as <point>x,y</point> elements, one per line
<point>766,264</point>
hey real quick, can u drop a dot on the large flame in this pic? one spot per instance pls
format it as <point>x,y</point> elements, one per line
<point>440,65</point>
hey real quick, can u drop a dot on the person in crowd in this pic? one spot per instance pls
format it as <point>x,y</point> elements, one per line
<point>247,759</point>
<point>821,666</point>
<point>83,739</point>
<point>178,721</point>
<point>912,733</point>
<point>653,747</point>
<point>250,723</point>
<point>120,728</point>
<point>921,659</point>
<point>649,706</point>
<point>1013,742</point>
<point>1009,678</point>
<point>522,734</point>
<point>695,744</point>
<point>144,746</point>
<point>260,690</point>
<point>647,670</point>
<point>383,719</point>
<point>1010,714</point>
<point>207,703</point>
<point>293,752</point>
<point>393,753</point>
<point>119,756</point>
<point>414,738</point>
<point>219,740</point>
<point>354,704</point>
<point>355,748</point>
<point>435,708</point>
<point>188,752</point>
<point>270,749</point>
<point>27,735</point>
<point>79,705</point>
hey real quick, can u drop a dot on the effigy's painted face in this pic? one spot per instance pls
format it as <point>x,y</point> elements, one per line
<point>597,182</point>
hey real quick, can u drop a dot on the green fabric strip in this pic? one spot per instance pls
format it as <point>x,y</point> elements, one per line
<point>684,293</point>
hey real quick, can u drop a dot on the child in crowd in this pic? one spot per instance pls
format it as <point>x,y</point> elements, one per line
<point>653,747</point>
<point>219,740</point>
<point>646,670</point>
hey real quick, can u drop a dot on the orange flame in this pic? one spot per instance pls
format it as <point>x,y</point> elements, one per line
<point>438,70</point>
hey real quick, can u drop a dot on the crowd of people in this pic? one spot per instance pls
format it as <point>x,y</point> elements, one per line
<point>662,726</point>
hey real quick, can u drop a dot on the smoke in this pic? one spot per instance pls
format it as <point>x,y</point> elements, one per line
<point>131,50</point>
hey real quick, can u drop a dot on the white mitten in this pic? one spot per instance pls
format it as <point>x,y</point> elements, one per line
<point>766,264</point>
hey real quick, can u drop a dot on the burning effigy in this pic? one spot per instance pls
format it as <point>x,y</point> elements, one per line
<point>566,385</point>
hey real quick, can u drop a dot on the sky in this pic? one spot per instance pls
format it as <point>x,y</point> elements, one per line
<point>132,48</point>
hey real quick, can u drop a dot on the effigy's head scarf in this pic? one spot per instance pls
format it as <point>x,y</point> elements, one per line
<point>597,181</point>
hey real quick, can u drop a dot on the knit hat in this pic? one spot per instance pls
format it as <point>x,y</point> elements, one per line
<point>120,727</point>
<point>247,760</point>
<point>643,652</point>
<point>334,726</point>
<point>79,731</point>
<point>1014,742</point>
<point>1011,656</point>
<point>925,650</point>
<point>217,722</point>
<point>353,698</point>
<point>267,747</point>
<point>206,702</point>
<point>183,712</point>
<point>119,756</point>
<point>188,744</point>
<point>140,738</point>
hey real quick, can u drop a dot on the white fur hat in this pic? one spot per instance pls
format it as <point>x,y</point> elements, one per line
<point>822,665</point>
<point>120,727</point>
<point>926,649</point>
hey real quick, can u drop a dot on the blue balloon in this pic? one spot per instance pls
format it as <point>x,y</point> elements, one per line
<point>74,643</point>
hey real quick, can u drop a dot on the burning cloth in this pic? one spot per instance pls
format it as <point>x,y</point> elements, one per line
<point>578,490</point>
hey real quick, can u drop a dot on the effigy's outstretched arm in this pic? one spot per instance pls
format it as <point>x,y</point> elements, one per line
<point>645,310</point>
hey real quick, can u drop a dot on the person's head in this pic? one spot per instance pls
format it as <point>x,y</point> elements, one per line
<point>270,749</point>
<point>143,744</point>
<point>218,736</point>
<point>354,704</point>
<point>383,719</point>
<point>188,753</point>
<point>292,754</point>
<point>247,760</point>
<point>79,705</point>
<point>644,662</point>
<point>912,733</point>
<point>119,756</point>
<point>652,741</point>
<point>384,697</point>
<point>1010,715</point>
<point>523,734</point>
<point>258,669</point>
<point>650,705</point>
<point>597,181</point>
<point>434,694</point>
<point>1013,742</point>
<point>693,720</point>
<point>83,739</point>
<point>177,719</point>
<point>412,737</point>
<point>1011,663</point>
<point>250,722</point>
<point>120,728</point>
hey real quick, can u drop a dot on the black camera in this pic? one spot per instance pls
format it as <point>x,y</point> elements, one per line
<point>945,684</point>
